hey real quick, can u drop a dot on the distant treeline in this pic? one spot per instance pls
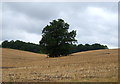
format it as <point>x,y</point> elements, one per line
<point>20,45</point>
<point>86,47</point>
<point>36,48</point>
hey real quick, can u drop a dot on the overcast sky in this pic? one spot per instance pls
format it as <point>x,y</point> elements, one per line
<point>94,22</point>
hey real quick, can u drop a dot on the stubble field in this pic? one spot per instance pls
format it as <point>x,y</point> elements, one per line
<point>89,66</point>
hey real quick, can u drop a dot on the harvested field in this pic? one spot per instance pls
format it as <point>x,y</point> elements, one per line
<point>89,66</point>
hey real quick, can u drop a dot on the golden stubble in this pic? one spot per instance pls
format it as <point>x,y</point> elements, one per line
<point>89,66</point>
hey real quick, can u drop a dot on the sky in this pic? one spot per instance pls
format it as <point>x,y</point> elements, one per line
<point>95,22</point>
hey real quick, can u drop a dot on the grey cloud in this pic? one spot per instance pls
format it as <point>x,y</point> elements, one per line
<point>21,22</point>
<point>94,22</point>
<point>41,11</point>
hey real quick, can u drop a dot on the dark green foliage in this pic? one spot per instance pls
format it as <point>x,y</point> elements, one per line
<point>37,48</point>
<point>86,47</point>
<point>56,40</point>
<point>20,45</point>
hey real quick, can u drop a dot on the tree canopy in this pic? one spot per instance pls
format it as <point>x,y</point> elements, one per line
<point>20,45</point>
<point>87,47</point>
<point>56,39</point>
<point>36,48</point>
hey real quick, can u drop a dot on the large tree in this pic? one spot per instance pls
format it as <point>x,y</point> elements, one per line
<point>56,39</point>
